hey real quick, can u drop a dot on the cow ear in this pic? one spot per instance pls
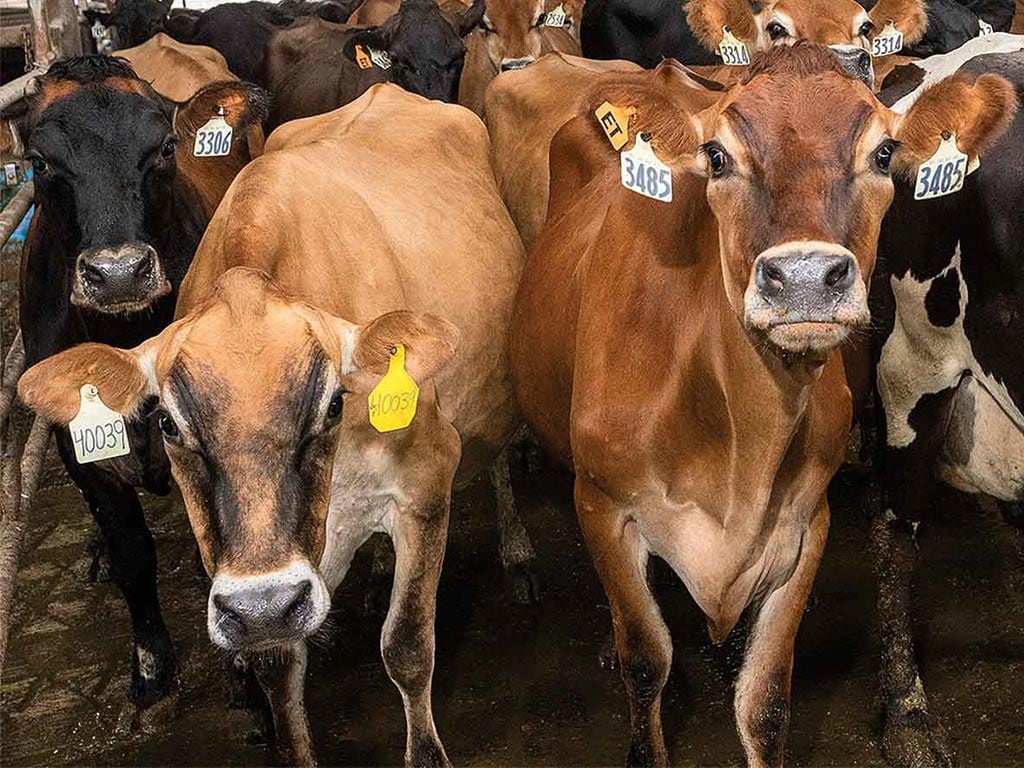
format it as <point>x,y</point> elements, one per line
<point>470,18</point>
<point>337,11</point>
<point>707,18</point>
<point>371,37</point>
<point>244,104</point>
<point>977,110</point>
<point>908,16</point>
<point>429,341</point>
<point>124,378</point>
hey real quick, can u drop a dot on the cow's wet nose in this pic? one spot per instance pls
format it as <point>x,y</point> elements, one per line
<point>856,61</point>
<point>110,279</point>
<point>508,65</point>
<point>805,279</point>
<point>263,613</point>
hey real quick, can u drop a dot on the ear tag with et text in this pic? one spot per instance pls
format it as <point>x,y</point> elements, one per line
<point>97,432</point>
<point>393,400</point>
<point>888,41</point>
<point>214,138</point>
<point>615,123</point>
<point>363,58</point>
<point>555,18</point>
<point>733,50</point>
<point>644,173</point>
<point>944,172</point>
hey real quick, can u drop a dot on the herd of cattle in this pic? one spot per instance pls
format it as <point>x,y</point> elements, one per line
<point>688,281</point>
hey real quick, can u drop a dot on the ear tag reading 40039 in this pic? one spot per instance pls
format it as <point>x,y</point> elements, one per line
<point>732,50</point>
<point>97,431</point>
<point>393,400</point>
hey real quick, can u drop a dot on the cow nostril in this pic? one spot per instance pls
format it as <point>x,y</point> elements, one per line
<point>299,602</point>
<point>144,269</point>
<point>838,274</point>
<point>773,273</point>
<point>226,613</point>
<point>91,274</point>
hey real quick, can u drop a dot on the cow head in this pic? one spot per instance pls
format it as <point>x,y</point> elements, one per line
<point>258,392</point>
<point>425,46</point>
<point>136,20</point>
<point>110,157</point>
<point>843,25</point>
<point>799,204</point>
<point>513,30</point>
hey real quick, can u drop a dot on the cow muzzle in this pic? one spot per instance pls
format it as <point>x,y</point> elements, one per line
<point>509,65</point>
<point>120,280</point>
<point>856,61</point>
<point>806,297</point>
<point>266,610</point>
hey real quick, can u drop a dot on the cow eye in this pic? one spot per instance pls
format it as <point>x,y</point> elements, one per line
<point>167,150</point>
<point>776,31</point>
<point>334,407</point>
<point>883,155</point>
<point>167,426</point>
<point>39,166</point>
<point>866,29</point>
<point>718,160</point>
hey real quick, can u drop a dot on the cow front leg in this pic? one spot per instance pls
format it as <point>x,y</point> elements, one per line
<point>407,640</point>
<point>282,676</point>
<point>763,684</point>
<point>518,558</point>
<point>641,638</point>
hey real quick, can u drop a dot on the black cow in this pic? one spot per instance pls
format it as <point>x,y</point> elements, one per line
<point>951,23</point>
<point>423,47</point>
<point>642,31</point>
<point>121,205</point>
<point>948,306</point>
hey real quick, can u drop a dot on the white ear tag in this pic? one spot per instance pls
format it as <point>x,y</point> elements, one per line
<point>555,18</point>
<point>944,172</point>
<point>984,28</point>
<point>97,432</point>
<point>644,173</point>
<point>732,50</point>
<point>380,58</point>
<point>214,138</point>
<point>888,41</point>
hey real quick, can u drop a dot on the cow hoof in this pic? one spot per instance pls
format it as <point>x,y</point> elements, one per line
<point>608,656</point>
<point>523,583</point>
<point>152,674</point>
<point>916,739</point>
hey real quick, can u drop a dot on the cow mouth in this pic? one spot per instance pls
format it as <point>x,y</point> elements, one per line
<point>120,280</point>
<point>804,338</point>
<point>120,307</point>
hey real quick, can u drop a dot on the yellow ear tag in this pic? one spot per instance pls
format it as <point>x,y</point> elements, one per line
<point>363,58</point>
<point>615,123</point>
<point>393,400</point>
<point>97,431</point>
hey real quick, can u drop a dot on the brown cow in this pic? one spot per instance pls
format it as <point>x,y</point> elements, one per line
<point>680,356</point>
<point>176,70</point>
<point>264,385</point>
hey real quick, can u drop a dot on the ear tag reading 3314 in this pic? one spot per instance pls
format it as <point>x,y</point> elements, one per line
<point>393,400</point>
<point>944,172</point>
<point>555,18</point>
<point>644,173</point>
<point>732,50</point>
<point>214,138</point>
<point>888,41</point>
<point>615,123</point>
<point>97,432</point>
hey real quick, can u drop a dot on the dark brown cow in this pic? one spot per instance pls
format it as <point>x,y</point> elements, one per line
<point>681,356</point>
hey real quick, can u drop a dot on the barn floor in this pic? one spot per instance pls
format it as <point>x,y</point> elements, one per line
<point>516,685</point>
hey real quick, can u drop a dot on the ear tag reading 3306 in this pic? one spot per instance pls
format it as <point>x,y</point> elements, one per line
<point>732,50</point>
<point>97,432</point>
<point>615,123</point>
<point>393,400</point>
<point>644,173</point>
<point>555,18</point>
<point>944,172</point>
<point>214,138</point>
<point>888,41</point>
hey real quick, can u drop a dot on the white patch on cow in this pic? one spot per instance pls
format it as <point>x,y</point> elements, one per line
<point>147,662</point>
<point>938,68</point>
<point>859,21</point>
<point>920,358</point>
<point>348,350</point>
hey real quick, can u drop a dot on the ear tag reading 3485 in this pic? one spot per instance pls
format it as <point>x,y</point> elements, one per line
<point>888,41</point>
<point>555,18</point>
<point>644,173</point>
<point>732,50</point>
<point>393,400</point>
<point>615,123</point>
<point>97,432</point>
<point>214,138</point>
<point>944,172</point>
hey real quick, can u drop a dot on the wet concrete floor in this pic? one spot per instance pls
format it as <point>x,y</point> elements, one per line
<point>517,685</point>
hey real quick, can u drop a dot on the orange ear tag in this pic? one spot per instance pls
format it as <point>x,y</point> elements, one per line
<point>363,58</point>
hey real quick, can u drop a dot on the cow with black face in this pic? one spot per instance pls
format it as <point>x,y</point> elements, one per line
<point>949,342</point>
<point>121,205</point>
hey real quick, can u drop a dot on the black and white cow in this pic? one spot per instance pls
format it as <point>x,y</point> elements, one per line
<point>948,306</point>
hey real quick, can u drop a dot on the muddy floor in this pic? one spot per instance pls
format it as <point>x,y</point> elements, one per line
<point>516,685</point>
